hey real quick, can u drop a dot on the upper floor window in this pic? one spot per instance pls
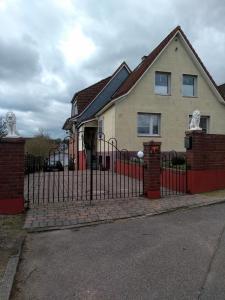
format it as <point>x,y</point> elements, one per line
<point>74,111</point>
<point>189,85</point>
<point>162,83</point>
<point>148,124</point>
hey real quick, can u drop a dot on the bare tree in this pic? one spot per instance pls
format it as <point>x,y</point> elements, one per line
<point>3,129</point>
<point>40,144</point>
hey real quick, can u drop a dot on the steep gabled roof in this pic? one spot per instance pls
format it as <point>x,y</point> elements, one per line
<point>85,96</point>
<point>142,67</point>
<point>149,59</point>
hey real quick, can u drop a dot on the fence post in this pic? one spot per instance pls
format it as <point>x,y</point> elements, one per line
<point>11,175</point>
<point>152,169</point>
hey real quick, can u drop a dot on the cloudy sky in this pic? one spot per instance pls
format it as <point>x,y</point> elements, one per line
<point>51,48</point>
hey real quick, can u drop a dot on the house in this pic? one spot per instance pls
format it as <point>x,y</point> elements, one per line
<point>222,89</point>
<point>154,101</point>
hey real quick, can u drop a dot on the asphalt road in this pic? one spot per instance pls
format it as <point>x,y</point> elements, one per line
<point>180,255</point>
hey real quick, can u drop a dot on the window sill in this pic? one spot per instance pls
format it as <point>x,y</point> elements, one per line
<point>147,135</point>
<point>189,96</point>
<point>162,94</point>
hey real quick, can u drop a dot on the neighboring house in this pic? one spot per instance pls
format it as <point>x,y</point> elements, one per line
<point>222,89</point>
<point>154,101</point>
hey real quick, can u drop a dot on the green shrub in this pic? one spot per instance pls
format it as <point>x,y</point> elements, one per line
<point>178,160</point>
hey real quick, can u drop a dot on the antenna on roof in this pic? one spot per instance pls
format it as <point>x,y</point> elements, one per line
<point>144,57</point>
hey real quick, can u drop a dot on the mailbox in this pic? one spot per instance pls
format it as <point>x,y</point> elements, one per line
<point>188,142</point>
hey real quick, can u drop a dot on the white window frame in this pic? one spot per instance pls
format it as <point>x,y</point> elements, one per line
<point>74,111</point>
<point>150,124</point>
<point>194,87</point>
<point>168,93</point>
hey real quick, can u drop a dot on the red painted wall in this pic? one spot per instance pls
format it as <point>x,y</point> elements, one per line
<point>200,181</point>
<point>174,180</point>
<point>82,160</point>
<point>129,169</point>
<point>11,175</point>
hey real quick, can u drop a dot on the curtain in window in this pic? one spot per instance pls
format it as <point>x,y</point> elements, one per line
<point>148,124</point>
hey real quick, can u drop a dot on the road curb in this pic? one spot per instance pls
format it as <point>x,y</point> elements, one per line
<point>95,223</point>
<point>7,281</point>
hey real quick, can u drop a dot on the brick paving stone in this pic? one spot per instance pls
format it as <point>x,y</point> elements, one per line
<point>74,213</point>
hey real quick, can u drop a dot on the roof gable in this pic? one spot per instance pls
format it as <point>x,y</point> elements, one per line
<point>143,66</point>
<point>148,60</point>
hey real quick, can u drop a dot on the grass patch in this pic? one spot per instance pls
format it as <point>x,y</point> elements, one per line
<point>218,194</point>
<point>11,231</point>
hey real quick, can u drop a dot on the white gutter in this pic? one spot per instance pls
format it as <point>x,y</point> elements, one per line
<point>87,121</point>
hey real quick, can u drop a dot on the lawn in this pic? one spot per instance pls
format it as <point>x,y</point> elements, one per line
<point>11,232</point>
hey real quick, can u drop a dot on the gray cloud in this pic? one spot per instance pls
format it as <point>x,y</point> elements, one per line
<point>19,60</point>
<point>36,79</point>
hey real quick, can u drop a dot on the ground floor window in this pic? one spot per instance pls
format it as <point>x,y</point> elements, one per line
<point>148,124</point>
<point>204,123</point>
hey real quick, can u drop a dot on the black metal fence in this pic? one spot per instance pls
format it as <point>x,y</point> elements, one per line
<point>173,174</point>
<point>83,170</point>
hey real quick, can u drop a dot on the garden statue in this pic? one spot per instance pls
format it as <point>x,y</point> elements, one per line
<point>11,125</point>
<point>195,120</point>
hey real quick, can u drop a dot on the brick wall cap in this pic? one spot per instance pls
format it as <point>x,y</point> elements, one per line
<point>6,140</point>
<point>194,132</point>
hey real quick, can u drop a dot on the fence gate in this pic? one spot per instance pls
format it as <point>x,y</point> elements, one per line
<point>173,174</point>
<point>82,169</point>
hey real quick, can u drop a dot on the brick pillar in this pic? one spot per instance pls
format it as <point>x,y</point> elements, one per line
<point>205,161</point>
<point>152,169</point>
<point>11,175</point>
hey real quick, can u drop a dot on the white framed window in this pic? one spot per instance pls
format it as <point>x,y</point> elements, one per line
<point>189,85</point>
<point>148,124</point>
<point>100,128</point>
<point>204,123</point>
<point>162,83</point>
<point>74,111</point>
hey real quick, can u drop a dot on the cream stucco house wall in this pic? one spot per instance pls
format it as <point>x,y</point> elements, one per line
<point>176,59</point>
<point>155,101</point>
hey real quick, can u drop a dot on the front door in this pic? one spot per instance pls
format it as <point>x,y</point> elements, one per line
<point>90,144</point>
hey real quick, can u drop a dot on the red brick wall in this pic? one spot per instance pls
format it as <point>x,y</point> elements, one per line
<point>206,162</point>
<point>11,175</point>
<point>152,169</point>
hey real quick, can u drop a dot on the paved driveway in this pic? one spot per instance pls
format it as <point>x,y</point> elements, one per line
<point>53,187</point>
<point>172,256</point>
